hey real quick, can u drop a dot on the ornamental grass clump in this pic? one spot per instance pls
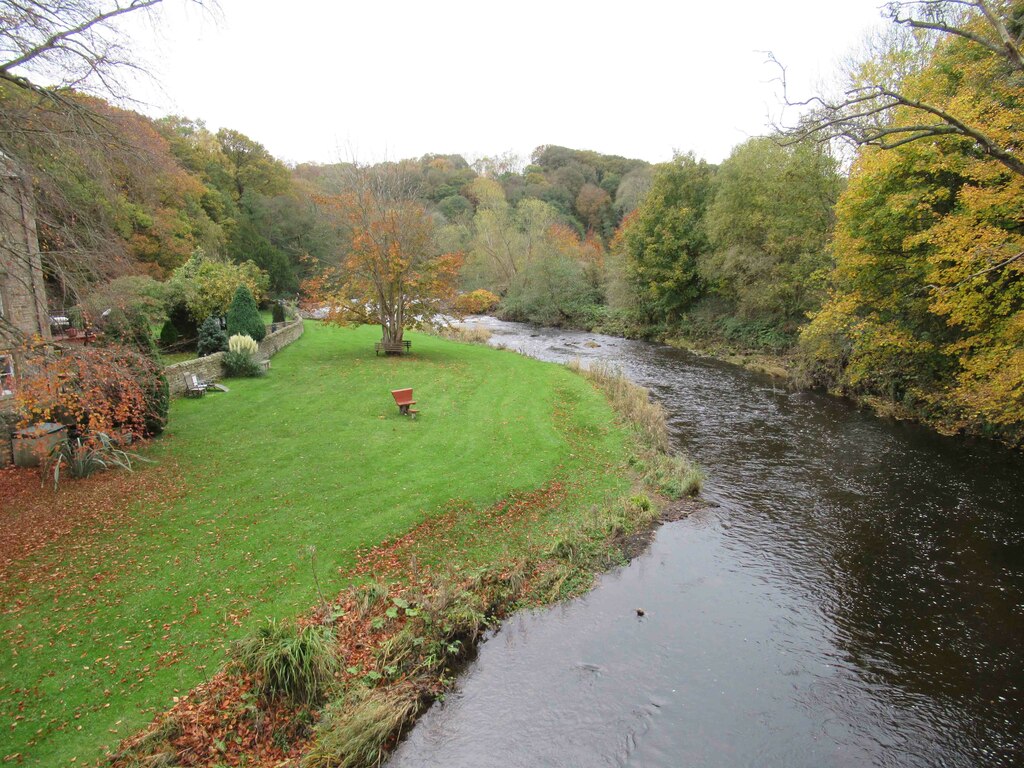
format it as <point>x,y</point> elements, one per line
<point>288,662</point>
<point>243,343</point>
<point>81,458</point>
<point>240,359</point>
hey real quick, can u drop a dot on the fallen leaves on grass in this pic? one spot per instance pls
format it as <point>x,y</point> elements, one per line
<point>32,516</point>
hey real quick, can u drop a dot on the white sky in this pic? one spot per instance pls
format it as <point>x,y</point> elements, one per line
<point>329,81</point>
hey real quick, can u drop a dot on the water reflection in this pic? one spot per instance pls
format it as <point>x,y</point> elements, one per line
<point>855,599</point>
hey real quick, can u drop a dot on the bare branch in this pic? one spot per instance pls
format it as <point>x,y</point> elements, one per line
<point>865,115</point>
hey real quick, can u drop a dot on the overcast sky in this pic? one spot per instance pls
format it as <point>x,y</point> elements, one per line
<point>327,81</point>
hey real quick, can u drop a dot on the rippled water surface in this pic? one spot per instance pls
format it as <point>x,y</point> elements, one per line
<point>856,598</point>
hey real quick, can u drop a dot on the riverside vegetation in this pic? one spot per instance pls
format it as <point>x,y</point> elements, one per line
<point>408,538</point>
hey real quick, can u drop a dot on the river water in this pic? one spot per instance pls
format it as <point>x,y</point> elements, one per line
<point>855,597</point>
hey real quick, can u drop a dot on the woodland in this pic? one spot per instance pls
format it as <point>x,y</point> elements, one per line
<point>874,245</point>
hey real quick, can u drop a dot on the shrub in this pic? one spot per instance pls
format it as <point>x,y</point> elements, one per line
<point>244,316</point>
<point>288,662</point>
<point>130,328</point>
<point>182,321</point>
<point>169,335</point>
<point>470,334</point>
<point>552,291</point>
<point>241,365</point>
<point>212,338</point>
<point>476,302</point>
<point>110,390</point>
<point>277,313</point>
<point>242,343</point>
<point>672,474</point>
<point>158,404</point>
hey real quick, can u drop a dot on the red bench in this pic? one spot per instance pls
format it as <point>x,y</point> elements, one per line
<point>403,398</point>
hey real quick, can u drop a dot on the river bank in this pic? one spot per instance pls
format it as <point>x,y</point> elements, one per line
<point>785,365</point>
<point>420,601</point>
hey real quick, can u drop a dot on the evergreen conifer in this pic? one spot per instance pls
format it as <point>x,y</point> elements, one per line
<point>244,316</point>
<point>212,338</point>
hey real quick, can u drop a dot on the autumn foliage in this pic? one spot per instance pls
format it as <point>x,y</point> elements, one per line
<point>393,273</point>
<point>114,390</point>
<point>476,302</point>
<point>926,311</point>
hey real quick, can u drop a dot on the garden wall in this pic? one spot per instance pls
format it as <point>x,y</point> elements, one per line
<point>8,422</point>
<point>209,367</point>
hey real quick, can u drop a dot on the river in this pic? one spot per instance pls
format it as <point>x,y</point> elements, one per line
<point>854,596</point>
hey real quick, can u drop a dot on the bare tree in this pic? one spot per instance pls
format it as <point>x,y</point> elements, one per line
<point>48,46</point>
<point>863,113</point>
<point>51,51</point>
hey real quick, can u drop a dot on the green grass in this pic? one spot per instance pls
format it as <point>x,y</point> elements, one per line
<point>314,454</point>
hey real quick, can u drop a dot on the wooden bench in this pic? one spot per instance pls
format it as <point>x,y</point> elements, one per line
<point>393,347</point>
<point>403,398</point>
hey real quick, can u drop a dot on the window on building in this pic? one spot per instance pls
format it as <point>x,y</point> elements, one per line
<point>6,375</point>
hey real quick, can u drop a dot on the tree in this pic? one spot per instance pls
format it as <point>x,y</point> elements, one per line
<point>393,274</point>
<point>506,239</point>
<point>887,107</point>
<point>206,286</point>
<point>93,209</point>
<point>67,43</point>
<point>253,169</point>
<point>594,207</point>
<point>768,227</point>
<point>926,307</point>
<point>244,316</point>
<point>632,190</point>
<point>247,244</point>
<point>665,236</point>
<point>212,338</point>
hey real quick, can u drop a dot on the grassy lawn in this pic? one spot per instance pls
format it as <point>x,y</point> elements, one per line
<point>102,629</point>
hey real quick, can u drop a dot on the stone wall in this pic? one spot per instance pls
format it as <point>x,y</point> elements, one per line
<point>281,338</point>
<point>22,294</point>
<point>209,367</point>
<point>23,310</point>
<point>8,423</point>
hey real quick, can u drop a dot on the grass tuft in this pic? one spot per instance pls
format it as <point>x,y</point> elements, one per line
<point>358,729</point>
<point>672,474</point>
<point>297,664</point>
<point>468,334</point>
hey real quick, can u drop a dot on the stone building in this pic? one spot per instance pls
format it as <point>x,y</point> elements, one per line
<point>23,308</point>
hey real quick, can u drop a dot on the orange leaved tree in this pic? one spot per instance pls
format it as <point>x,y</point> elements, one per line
<point>393,273</point>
